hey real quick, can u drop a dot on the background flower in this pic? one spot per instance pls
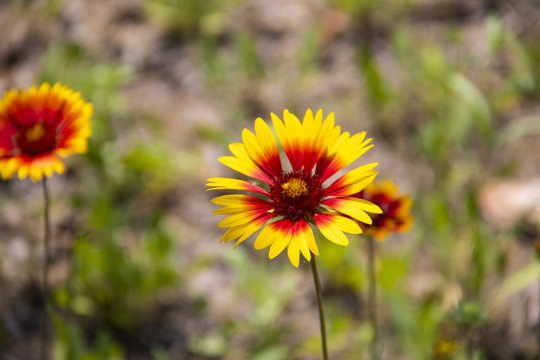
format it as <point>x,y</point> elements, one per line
<point>396,215</point>
<point>288,199</point>
<point>39,125</point>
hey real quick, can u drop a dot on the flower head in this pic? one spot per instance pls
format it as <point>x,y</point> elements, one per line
<point>396,215</point>
<point>300,189</point>
<point>39,125</point>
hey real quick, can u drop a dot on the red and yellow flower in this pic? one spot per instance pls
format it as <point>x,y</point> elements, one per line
<point>396,215</point>
<point>39,126</point>
<point>301,188</point>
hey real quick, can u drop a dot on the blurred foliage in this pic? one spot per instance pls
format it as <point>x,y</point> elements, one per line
<point>189,17</point>
<point>107,280</point>
<point>70,345</point>
<point>267,295</point>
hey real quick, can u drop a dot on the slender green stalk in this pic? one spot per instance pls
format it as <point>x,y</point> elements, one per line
<point>319,303</point>
<point>372,297</point>
<point>538,334</point>
<point>45,274</point>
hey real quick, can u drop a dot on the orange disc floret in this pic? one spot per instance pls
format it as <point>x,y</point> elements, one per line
<point>396,215</point>
<point>39,126</point>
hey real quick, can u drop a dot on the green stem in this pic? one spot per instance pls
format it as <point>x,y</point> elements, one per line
<point>45,274</point>
<point>319,303</point>
<point>538,334</point>
<point>372,297</point>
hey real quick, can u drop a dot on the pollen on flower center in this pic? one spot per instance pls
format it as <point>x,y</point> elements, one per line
<point>295,187</point>
<point>296,195</point>
<point>35,133</point>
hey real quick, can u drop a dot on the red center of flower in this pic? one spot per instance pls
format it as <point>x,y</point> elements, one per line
<point>296,195</point>
<point>36,140</point>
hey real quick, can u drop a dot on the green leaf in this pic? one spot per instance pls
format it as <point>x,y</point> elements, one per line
<point>516,282</point>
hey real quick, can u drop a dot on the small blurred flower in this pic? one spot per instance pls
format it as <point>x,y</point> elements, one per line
<point>39,125</point>
<point>292,193</point>
<point>444,349</point>
<point>395,216</point>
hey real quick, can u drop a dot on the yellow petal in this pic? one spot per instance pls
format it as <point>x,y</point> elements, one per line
<point>293,251</point>
<point>36,172</point>
<point>23,170</point>
<point>233,184</point>
<point>353,207</point>
<point>307,243</point>
<point>10,167</point>
<point>332,227</point>
<point>266,237</point>
<point>282,240</point>
<point>238,219</point>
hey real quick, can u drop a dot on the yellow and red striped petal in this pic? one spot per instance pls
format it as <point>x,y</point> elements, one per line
<point>244,231</point>
<point>289,132</point>
<point>303,143</point>
<point>282,240</point>
<point>239,203</point>
<point>303,231</point>
<point>277,235</point>
<point>302,241</point>
<point>242,163</point>
<point>280,229</point>
<point>355,208</point>
<point>333,226</point>
<point>262,148</point>
<point>240,218</point>
<point>234,184</point>
<point>345,151</point>
<point>297,238</point>
<point>298,244</point>
<point>352,182</point>
<point>242,209</point>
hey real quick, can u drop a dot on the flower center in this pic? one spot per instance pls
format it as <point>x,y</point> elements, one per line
<point>296,195</point>
<point>36,140</point>
<point>35,133</point>
<point>294,188</point>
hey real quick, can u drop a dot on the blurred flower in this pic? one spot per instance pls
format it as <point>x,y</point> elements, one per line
<point>290,195</point>
<point>445,348</point>
<point>395,216</point>
<point>39,125</point>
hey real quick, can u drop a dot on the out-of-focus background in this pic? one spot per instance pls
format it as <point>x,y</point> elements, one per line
<point>449,90</point>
